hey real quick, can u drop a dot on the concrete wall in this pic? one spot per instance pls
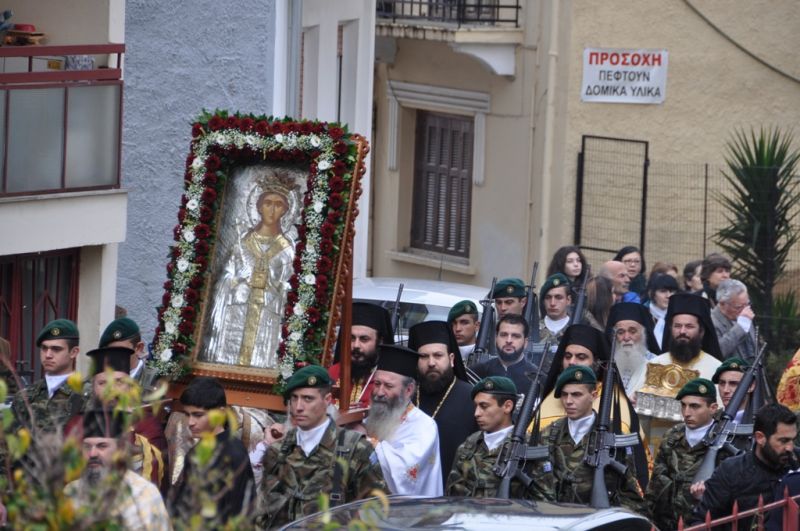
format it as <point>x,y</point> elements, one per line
<point>182,57</point>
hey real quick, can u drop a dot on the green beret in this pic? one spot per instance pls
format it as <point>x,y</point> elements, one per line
<point>58,329</point>
<point>509,287</point>
<point>308,376</point>
<point>554,281</point>
<point>579,374</point>
<point>494,385</point>
<point>461,308</point>
<point>730,364</point>
<point>698,387</point>
<point>120,329</point>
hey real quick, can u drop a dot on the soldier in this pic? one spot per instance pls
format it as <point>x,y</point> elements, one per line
<point>727,378</point>
<point>124,332</point>
<point>509,297</point>
<point>669,494</point>
<point>52,402</point>
<point>316,457</point>
<point>568,439</point>
<point>463,318</point>
<point>555,299</point>
<point>472,474</point>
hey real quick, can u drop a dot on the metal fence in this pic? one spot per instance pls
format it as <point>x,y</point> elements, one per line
<point>460,12</point>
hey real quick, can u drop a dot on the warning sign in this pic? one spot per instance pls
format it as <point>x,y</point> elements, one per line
<point>614,75</point>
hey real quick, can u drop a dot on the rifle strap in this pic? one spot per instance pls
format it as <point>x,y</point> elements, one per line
<point>343,454</point>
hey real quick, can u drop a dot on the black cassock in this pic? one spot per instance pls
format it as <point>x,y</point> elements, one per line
<point>455,420</point>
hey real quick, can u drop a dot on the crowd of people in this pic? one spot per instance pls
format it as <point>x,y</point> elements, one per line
<point>439,417</point>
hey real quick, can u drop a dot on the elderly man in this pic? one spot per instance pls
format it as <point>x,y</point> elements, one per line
<point>689,336</point>
<point>636,345</point>
<point>405,439</point>
<point>443,391</point>
<point>138,503</point>
<point>616,272</point>
<point>733,321</point>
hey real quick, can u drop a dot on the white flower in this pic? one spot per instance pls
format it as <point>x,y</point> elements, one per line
<point>295,336</point>
<point>183,264</point>
<point>165,355</point>
<point>286,372</point>
<point>220,139</point>
<point>318,207</point>
<point>291,141</point>
<point>310,279</point>
<point>188,235</point>
<point>177,301</point>
<point>193,204</point>
<point>314,140</point>
<point>299,310</point>
<point>323,165</point>
<point>250,139</point>
<point>170,328</point>
<point>279,138</point>
<point>197,164</point>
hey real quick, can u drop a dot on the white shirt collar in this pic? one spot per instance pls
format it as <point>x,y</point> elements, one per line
<point>580,427</point>
<point>136,370</point>
<point>493,440</point>
<point>556,326</point>
<point>695,435</point>
<point>54,382</point>
<point>309,439</point>
<point>466,350</point>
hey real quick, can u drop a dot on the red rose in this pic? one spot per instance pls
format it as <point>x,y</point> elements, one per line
<point>284,330</point>
<point>321,296</point>
<point>294,282</point>
<point>201,248</point>
<point>191,295</point>
<point>181,214</point>
<point>289,311</point>
<point>206,214</point>
<point>299,248</point>
<point>179,348</point>
<point>336,184</point>
<point>216,123</point>
<point>336,132</point>
<point>197,130</point>
<point>262,128</point>
<point>312,169</point>
<point>292,297</point>
<point>213,163</point>
<point>310,333</point>
<point>196,282</point>
<point>307,200</point>
<point>305,127</point>
<point>209,195</point>
<point>301,231</point>
<point>333,216</point>
<point>168,285</point>
<point>166,298</point>
<point>210,178</point>
<point>186,328</point>
<point>340,148</point>
<point>175,252</point>
<point>232,122</point>
<point>184,200</point>
<point>327,229</point>
<point>188,313</point>
<point>188,177</point>
<point>313,315</point>
<point>335,200</point>
<point>202,261</point>
<point>189,160</point>
<point>170,267</point>
<point>247,124</point>
<point>296,263</point>
<point>339,167</point>
<point>176,232</point>
<point>324,264</point>
<point>325,247</point>
<point>202,231</point>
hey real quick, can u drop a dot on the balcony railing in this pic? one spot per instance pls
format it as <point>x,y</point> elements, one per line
<point>60,118</point>
<point>458,12</point>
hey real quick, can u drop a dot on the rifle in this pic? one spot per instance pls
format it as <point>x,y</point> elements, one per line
<point>515,451</point>
<point>580,303</point>
<point>531,311</point>
<point>722,431</point>
<point>603,442</point>
<point>396,312</point>
<point>482,347</point>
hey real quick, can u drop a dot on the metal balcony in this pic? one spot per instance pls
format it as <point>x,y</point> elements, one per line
<point>456,12</point>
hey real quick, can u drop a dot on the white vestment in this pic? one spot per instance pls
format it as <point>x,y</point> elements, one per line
<point>705,363</point>
<point>410,457</point>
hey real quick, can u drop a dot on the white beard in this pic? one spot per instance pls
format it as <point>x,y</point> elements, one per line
<point>384,418</point>
<point>632,365</point>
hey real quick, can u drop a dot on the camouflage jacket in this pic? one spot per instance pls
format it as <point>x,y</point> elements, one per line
<point>668,496</point>
<point>472,474</point>
<point>292,482</point>
<point>546,335</point>
<point>573,479</point>
<point>49,414</point>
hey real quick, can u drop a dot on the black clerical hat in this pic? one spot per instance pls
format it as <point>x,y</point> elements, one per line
<point>400,360</point>
<point>438,332</point>
<point>689,303</point>
<point>116,358</point>
<point>633,311</point>
<point>375,317</point>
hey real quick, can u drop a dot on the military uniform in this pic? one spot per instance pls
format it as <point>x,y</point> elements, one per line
<point>50,414</point>
<point>573,479</point>
<point>292,481</point>
<point>472,474</point>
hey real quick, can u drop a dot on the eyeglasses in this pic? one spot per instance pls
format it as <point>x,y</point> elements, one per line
<point>738,307</point>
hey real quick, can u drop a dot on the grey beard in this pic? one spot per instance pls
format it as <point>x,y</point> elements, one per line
<point>630,359</point>
<point>94,476</point>
<point>384,416</point>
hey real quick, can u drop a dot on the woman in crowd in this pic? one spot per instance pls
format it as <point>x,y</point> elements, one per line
<point>691,276</point>
<point>570,261</point>
<point>659,290</point>
<point>634,264</point>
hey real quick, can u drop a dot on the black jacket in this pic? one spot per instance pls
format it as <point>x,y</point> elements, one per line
<point>740,478</point>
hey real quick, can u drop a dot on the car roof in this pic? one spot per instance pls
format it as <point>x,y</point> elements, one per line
<point>420,291</point>
<point>407,513</point>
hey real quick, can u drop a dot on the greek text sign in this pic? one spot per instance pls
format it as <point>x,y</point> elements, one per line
<point>614,75</point>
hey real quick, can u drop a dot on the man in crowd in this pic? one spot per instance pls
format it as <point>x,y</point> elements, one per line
<point>137,503</point>
<point>568,439</point>
<point>715,269</point>
<point>226,478</point>
<point>511,338</point>
<point>745,477</point>
<point>727,377</point>
<point>617,273</point>
<point>371,326</point>
<point>733,321</point>
<point>316,457</point>
<point>669,494</point>
<point>554,299</point>
<point>463,318</point>
<point>636,345</point>
<point>51,400</point>
<point>472,475</point>
<point>443,392</point>
<point>124,332</point>
<point>405,439</point>
<point>509,297</point>
<point>689,337</point>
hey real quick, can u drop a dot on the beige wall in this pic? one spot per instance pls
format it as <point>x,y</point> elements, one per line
<point>67,22</point>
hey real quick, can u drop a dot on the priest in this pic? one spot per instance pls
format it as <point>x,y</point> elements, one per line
<point>443,391</point>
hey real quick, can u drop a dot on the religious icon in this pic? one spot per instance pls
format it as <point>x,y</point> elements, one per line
<point>252,266</point>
